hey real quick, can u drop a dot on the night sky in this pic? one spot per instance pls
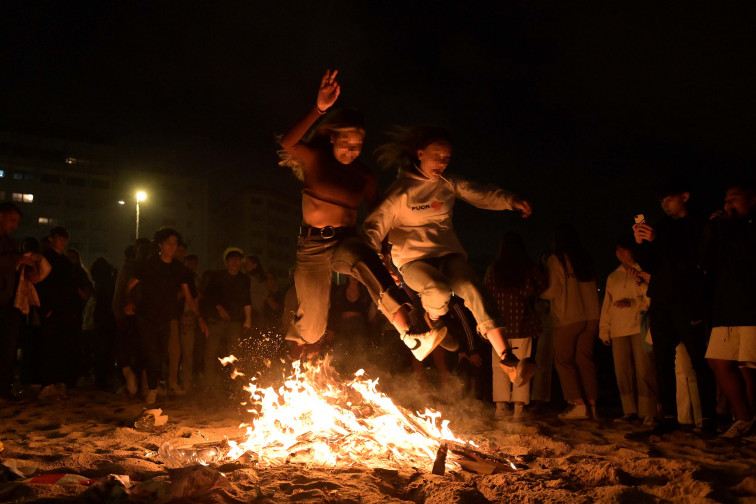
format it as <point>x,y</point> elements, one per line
<point>582,109</point>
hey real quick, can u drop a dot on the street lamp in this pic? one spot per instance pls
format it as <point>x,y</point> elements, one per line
<point>140,196</point>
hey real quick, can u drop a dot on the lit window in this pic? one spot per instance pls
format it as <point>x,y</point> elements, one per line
<point>23,197</point>
<point>44,221</point>
<point>2,173</point>
<point>71,160</point>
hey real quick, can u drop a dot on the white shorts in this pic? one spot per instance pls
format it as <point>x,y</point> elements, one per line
<point>737,343</point>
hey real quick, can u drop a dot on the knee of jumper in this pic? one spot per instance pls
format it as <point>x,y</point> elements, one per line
<point>435,297</point>
<point>347,254</point>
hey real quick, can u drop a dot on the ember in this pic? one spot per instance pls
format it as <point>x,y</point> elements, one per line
<point>316,418</point>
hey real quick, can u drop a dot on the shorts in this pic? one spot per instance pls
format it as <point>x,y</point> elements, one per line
<point>736,343</point>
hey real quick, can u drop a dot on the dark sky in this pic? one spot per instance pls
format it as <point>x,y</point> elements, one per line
<point>582,109</point>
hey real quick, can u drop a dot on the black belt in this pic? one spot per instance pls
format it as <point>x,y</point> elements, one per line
<point>326,232</point>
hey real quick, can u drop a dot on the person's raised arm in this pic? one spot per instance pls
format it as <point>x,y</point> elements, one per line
<point>327,94</point>
<point>489,197</point>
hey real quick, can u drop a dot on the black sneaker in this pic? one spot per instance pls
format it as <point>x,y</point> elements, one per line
<point>708,429</point>
<point>629,418</point>
<point>665,426</point>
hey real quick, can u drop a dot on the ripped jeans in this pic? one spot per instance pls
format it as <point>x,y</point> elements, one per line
<point>317,259</point>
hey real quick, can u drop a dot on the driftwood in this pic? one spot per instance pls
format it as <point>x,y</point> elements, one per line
<point>472,460</point>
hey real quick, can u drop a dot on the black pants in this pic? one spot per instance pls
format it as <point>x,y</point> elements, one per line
<point>670,326</point>
<point>10,323</point>
<point>127,340</point>
<point>61,352</point>
<point>153,347</point>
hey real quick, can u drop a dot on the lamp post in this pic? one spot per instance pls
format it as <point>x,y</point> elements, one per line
<point>140,196</point>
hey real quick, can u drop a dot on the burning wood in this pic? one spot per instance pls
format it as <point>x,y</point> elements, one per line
<point>315,418</point>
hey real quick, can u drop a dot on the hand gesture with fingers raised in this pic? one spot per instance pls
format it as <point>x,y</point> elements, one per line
<point>328,92</point>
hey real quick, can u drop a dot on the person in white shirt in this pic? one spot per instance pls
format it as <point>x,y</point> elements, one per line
<point>416,217</point>
<point>625,302</point>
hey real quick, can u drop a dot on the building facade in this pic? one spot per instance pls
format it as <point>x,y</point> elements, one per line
<point>263,221</point>
<point>78,184</point>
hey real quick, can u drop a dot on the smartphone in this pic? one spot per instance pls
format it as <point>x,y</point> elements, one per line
<point>640,219</point>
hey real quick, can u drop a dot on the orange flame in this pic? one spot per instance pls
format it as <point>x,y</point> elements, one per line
<point>315,418</point>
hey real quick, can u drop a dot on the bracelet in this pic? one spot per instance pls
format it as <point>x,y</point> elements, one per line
<point>321,112</point>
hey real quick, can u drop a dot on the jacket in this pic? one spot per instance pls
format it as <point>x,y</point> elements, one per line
<point>571,300</point>
<point>617,322</point>
<point>416,215</point>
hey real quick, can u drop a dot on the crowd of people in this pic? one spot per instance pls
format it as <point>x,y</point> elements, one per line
<point>679,311</point>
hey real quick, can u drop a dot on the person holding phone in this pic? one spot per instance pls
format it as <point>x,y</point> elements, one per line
<point>625,302</point>
<point>669,252</point>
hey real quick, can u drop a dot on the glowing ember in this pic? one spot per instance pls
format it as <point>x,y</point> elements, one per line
<point>315,418</point>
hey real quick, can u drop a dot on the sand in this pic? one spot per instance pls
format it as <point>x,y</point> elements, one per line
<point>92,434</point>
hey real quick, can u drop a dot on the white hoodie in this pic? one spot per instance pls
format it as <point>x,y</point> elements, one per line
<point>618,322</point>
<point>416,214</point>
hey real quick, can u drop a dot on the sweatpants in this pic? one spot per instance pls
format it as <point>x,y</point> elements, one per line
<point>573,356</point>
<point>636,378</point>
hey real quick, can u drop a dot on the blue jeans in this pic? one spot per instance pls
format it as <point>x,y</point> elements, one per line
<point>317,259</point>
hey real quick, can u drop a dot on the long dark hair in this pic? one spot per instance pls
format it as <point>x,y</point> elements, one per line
<point>400,152</point>
<point>567,245</point>
<point>512,265</point>
<point>258,272</point>
<point>319,137</point>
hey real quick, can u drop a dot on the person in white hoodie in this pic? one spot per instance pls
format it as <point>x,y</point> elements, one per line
<point>625,302</point>
<point>416,217</point>
<point>573,298</point>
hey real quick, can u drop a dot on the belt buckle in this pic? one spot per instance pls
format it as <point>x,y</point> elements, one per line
<point>327,232</point>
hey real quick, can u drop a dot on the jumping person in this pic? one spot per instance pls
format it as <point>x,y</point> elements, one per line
<point>335,184</point>
<point>416,216</point>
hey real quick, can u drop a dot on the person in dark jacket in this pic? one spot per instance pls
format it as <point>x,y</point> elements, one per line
<point>61,297</point>
<point>10,318</point>
<point>730,266</point>
<point>670,253</point>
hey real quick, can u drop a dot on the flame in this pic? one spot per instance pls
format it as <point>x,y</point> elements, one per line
<point>228,360</point>
<point>316,418</point>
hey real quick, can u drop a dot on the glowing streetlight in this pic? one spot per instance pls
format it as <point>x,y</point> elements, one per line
<point>140,196</point>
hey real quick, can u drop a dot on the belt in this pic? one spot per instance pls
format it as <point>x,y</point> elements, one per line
<point>326,232</point>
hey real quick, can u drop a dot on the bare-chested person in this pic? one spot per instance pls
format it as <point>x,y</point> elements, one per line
<point>335,184</point>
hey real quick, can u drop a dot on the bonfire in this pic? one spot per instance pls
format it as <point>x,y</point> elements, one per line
<point>316,418</point>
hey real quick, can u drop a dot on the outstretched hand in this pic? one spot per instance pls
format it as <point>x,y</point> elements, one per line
<point>523,207</point>
<point>329,91</point>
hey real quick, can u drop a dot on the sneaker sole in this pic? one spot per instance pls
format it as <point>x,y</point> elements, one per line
<point>421,353</point>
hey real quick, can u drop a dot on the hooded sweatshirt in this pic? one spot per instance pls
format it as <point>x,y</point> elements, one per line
<point>618,322</point>
<point>416,215</point>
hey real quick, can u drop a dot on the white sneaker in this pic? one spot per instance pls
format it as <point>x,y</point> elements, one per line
<point>423,343</point>
<point>575,412</point>
<point>131,380</point>
<point>739,428</point>
<point>520,413</point>
<point>151,396</point>
<point>526,368</point>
